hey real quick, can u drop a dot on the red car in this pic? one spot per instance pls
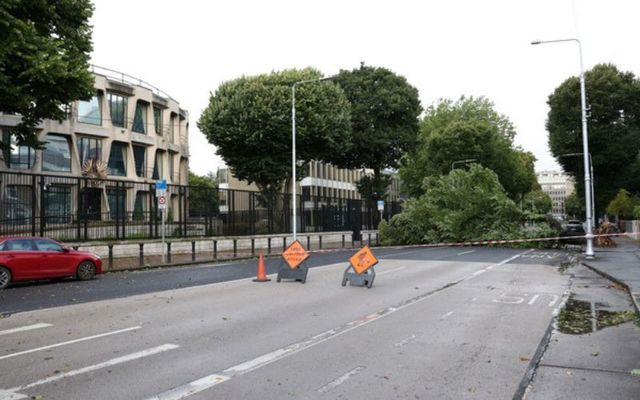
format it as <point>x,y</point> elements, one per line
<point>29,258</point>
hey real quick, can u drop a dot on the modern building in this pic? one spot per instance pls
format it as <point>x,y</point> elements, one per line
<point>558,186</point>
<point>119,142</point>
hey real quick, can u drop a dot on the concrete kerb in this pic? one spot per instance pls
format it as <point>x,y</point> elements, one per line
<point>632,295</point>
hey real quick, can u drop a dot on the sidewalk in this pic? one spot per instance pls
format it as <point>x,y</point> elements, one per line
<point>620,264</point>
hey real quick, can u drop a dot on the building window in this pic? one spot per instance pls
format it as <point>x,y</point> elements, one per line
<point>118,107</point>
<point>17,204</point>
<point>140,118</point>
<point>56,155</point>
<point>117,199</point>
<point>157,120</point>
<point>118,159</point>
<point>139,158</point>
<point>57,204</point>
<point>90,112</point>
<point>172,169</point>
<point>157,167</point>
<point>15,156</point>
<point>140,206</point>
<point>89,149</point>
<point>172,123</point>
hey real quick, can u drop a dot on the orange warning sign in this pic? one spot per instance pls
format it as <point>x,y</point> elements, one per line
<point>295,254</point>
<point>363,260</point>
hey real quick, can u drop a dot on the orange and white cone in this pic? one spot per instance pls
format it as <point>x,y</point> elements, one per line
<point>262,275</point>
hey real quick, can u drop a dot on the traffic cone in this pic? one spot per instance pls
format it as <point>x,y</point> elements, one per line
<point>262,275</point>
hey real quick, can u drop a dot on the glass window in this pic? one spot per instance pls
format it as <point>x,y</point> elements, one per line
<point>118,108</point>
<point>172,122</point>
<point>117,199</point>
<point>17,204</point>
<point>140,118</point>
<point>157,120</point>
<point>89,149</point>
<point>57,204</point>
<point>90,112</point>
<point>157,167</point>
<point>15,156</point>
<point>46,245</point>
<point>172,169</point>
<point>56,155</point>
<point>139,153</point>
<point>18,245</point>
<point>140,206</point>
<point>118,159</point>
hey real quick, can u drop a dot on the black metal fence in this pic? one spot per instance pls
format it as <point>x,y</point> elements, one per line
<point>81,209</point>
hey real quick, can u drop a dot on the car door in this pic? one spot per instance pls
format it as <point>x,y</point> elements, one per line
<point>55,261</point>
<point>22,260</point>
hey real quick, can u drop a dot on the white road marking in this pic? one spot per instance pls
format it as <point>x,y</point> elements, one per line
<point>405,341</point>
<point>91,368</point>
<point>480,272</point>
<point>340,380</point>
<point>474,299</point>
<point>186,390</point>
<point>450,313</point>
<point>509,259</point>
<point>389,271</point>
<point>508,299</point>
<point>51,346</point>
<point>25,328</point>
<point>465,252</point>
<point>6,395</point>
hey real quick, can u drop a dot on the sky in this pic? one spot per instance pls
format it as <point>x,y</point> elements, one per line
<point>445,49</point>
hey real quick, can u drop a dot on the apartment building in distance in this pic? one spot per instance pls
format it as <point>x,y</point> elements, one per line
<point>558,186</point>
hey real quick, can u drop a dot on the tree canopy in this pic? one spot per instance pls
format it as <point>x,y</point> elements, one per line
<point>621,205</point>
<point>249,121</point>
<point>613,128</point>
<point>384,120</point>
<point>44,60</point>
<point>467,129</point>
<point>203,194</point>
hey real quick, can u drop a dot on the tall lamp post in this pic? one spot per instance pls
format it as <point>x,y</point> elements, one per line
<point>585,147</point>
<point>293,150</point>
<point>593,201</point>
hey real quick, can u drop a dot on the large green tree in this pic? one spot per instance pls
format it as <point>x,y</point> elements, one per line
<point>613,126</point>
<point>384,121</point>
<point>44,60</point>
<point>469,128</point>
<point>249,121</point>
<point>203,194</point>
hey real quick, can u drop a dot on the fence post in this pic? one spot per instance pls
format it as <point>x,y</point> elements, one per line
<point>110,245</point>
<point>43,202</point>
<point>308,242</point>
<point>78,208</point>
<point>320,241</point>
<point>343,240</point>
<point>141,254</point>
<point>168,252</point>
<point>268,245</point>
<point>253,246</point>
<point>235,248</point>
<point>151,194</point>
<point>193,250</point>
<point>34,201</point>
<point>122,194</point>
<point>284,243</point>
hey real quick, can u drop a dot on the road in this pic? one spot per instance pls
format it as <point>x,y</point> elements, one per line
<point>438,323</point>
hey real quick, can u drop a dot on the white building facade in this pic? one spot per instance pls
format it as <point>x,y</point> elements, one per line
<point>558,186</point>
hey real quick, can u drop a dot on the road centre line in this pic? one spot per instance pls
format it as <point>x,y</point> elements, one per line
<point>25,328</point>
<point>405,341</point>
<point>450,313</point>
<point>51,346</point>
<point>465,252</point>
<point>191,388</point>
<point>95,367</point>
<point>340,380</point>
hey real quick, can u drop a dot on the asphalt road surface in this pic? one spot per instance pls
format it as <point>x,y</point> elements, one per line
<point>437,323</point>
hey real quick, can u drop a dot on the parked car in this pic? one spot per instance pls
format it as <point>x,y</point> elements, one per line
<point>30,258</point>
<point>573,228</point>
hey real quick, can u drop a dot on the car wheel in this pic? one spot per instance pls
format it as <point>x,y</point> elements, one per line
<point>5,277</point>
<point>86,270</point>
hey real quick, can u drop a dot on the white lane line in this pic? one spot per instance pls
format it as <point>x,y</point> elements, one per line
<point>25,328</point>
<point>405,341</point>
<point>482,271</point>
<point>465,252</point>
<point>510,259</point>
<point>91,368</point>
<point>390,271</point>
<point>186,390</point>
<point>51,346</point>
<point>6,395</point>
<point>340,380</point>
<point>450,313</point>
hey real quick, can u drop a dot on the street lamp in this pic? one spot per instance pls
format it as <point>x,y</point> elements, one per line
<point>461,162</point>
<point>593,201</point>
<point>293,147</point>
<point>585,147</point>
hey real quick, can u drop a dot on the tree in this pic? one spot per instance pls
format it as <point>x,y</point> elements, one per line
<point>468,129</point>
<point>203,194</point>
<point>44,60</point>
<point>249,121</point>
<point>384,122</point>
<point>463,205</point>
<point>574,206</point>
<point>613,127</point>
<point>621,205</point>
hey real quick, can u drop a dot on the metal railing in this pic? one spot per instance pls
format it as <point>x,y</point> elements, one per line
<point>128,79</point>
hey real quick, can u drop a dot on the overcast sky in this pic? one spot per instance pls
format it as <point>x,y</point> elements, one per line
<point>444,48</point>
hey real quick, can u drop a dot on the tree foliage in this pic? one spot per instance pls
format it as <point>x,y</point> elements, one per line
<point>463,205</point>
<point>613,128</point>
<point>537,202</point>
<point>44,55</point>
<point>249,121</point>
<point>384,120</point>
<point>203,194</point>
<point>621,205</point>
<point>468,129</point>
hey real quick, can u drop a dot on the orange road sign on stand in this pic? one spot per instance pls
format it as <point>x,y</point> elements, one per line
<point>294,256</point>
<point>362,264</point>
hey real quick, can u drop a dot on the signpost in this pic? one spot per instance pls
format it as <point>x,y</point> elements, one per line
<point>161,195</point>
<point>294,256</point>
<point>381,208</point>
<point>362,265</point>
